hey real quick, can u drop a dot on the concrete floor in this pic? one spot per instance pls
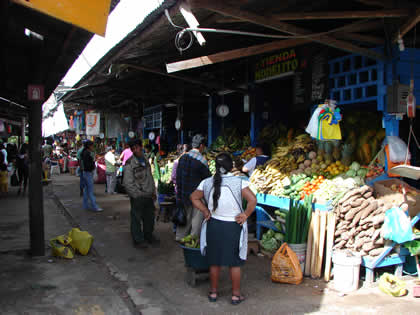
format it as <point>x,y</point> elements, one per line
<point>152,280</point>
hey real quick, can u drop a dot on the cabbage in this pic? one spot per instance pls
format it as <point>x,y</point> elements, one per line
<point>351,173</point>
<point>362,172</point>
<point>355,166</point>
<point>279,237</point>
<point>270,244</point>
<point>359,181</point>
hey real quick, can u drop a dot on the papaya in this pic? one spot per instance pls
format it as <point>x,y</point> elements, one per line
<point>366,153</point>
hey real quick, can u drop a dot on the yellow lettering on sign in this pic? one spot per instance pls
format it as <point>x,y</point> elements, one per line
<point>91,15</point>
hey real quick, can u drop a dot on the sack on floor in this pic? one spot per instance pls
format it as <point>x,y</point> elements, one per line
<point>81,241</point>
<point>60,248</point>
<point>285,266</point>
<point>391,285</point>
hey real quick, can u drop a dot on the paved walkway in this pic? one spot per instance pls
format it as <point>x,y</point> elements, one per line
<point>120,279</point>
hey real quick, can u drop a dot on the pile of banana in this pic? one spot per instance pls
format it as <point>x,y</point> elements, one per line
<point>268,178</point>
<point>302,144</point>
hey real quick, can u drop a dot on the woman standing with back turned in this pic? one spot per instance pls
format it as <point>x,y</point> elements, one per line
<point>224,235</point>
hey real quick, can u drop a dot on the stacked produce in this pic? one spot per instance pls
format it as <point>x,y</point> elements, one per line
<point>298,220</point>
<point>359,221</point>
<point>272,240</point>
<point>248,154</point>
<point>166,172</point>
<point>330,190</point>
<point>191,241</point>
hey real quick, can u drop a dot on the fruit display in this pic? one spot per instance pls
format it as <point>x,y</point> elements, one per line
<point>190,241</point>
<point>249,154</point>
<point>374,171</point>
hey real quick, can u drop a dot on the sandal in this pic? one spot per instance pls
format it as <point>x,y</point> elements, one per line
<point>239,299</point>
<point>212,296</point>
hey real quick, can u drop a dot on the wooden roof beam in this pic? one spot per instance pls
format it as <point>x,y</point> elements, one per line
<point>333,15</point>
<point>228,9</point>
<point>362,38</point>
<point>407,26</point>
<point>233,54</point>
<point>186,79</point>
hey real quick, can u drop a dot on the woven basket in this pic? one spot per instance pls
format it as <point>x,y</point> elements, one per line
<point>285,267</point>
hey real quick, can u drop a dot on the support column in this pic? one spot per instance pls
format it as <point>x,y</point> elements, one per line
<point>23,130</point>
<point>36,202</point>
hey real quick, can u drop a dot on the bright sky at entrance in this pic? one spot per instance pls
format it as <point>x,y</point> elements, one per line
<point>125,17</point>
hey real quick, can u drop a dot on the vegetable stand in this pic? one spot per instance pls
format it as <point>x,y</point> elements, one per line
<point>385,260</point>
<point>263,218</point>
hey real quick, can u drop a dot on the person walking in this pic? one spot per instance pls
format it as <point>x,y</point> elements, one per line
<point>88,168</point>
<point>191,170</point>
<point>224,234</point>
<point>4,153</point>
<point>22,166</point>
<point>140,187</point>
<point>111,171</point>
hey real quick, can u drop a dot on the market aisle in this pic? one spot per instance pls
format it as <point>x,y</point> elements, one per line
<point>155,276</point>
<point>50,285</point>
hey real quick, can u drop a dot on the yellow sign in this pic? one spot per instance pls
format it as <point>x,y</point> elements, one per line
<point>282,62</point>
<point>91,15</point>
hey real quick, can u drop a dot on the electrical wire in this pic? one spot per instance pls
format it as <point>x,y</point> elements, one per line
<point>188,30</point>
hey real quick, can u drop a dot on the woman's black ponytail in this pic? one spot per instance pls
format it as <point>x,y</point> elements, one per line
<point>224,164</point>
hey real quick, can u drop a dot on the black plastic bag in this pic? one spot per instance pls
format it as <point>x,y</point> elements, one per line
<point>180,216</point>
<point>14,179</point>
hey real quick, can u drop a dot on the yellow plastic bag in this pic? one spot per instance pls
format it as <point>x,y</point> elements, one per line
<point>81,241</point>
<point>285,266</point>
<point>59,247</point>
<point>391,285</point>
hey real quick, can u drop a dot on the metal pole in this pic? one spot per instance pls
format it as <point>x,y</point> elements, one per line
<point>36,202</point>
<point>23,130</point>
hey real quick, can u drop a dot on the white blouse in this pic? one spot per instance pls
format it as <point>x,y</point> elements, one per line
<point>227,208</point>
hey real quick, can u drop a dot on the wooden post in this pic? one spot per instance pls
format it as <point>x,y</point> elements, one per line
<point>330,244</point>
<point>36,202</point>
<point>322,226</point>
<point>309,248</point>
<point>315,244</point>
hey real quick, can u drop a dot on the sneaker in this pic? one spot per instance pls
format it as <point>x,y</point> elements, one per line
<point>98,209</point>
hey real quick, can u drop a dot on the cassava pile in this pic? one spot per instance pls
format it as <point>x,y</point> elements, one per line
<point>359,221</point>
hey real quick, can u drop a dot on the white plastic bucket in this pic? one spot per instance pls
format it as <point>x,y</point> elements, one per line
<point>300,251</point>
<point>346,271</point>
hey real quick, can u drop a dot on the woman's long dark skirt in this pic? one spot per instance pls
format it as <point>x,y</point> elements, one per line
<point>223,243</point>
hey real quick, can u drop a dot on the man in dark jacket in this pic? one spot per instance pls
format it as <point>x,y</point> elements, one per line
<point>88,163</point>
<point>192,169</point>
<point>140,187</point>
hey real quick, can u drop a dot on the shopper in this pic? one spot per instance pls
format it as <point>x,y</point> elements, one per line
<point>111,170</point>
<point>126,154</point>
<point>140,187</point>
<point>22,166</point>
<point>224,235</point>
<point>191,170</point>
<point>4,175</point>
<point>80,173</point>
<point>184,149</point>
<point>88,169</point>
<point>4,154</point>
<point>262,152</point>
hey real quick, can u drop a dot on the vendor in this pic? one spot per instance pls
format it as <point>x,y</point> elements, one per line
<point>260,159</point>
